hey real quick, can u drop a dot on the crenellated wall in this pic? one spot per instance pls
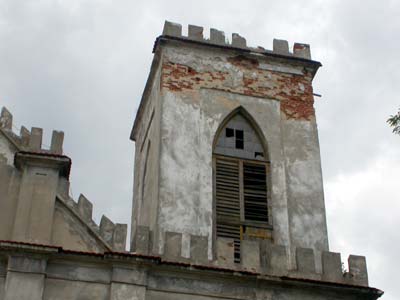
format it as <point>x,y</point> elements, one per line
<point>35,205</point>
<point>258,257</point>
<point>29,141</point>
<point>217,37</point>
<point>51,273</point>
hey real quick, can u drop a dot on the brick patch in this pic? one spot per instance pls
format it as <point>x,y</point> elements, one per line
<point>294,91</point>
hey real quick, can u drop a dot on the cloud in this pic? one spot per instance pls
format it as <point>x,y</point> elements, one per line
<point>362,211</point>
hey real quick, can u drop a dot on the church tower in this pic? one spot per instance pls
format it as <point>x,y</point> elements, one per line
<point>228,199</point>
<point>227,149</point>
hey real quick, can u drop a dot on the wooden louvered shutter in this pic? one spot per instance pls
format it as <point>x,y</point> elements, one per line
<point>227,181</point>
<point>255,192</point>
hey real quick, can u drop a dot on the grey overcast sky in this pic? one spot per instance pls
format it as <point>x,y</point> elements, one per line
<point>81,66</point>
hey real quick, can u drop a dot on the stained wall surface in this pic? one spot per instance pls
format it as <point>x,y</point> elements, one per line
<point>66,277</point>
<point>146,176</point>
<point>70,233</point>
<point>199,89</point>
<point>7,150</point>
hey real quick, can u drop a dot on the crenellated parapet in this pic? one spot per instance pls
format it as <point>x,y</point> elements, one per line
<point>217,37</point>
<point>258,257</point>
<point>47,170</point>
<point>108,232</point>
<point>30,140</point>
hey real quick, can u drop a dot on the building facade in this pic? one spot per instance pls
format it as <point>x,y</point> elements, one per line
<point>228,196</point>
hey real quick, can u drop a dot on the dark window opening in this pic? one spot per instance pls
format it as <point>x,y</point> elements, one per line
<point>261,154</point>
<point>239,134</point>
<point>239,143</point>
<point>229,132</point>
<point>255,192</point>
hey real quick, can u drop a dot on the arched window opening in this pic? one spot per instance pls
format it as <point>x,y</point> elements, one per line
<point>241,182</point>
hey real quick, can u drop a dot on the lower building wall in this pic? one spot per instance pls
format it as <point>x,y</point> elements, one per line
<point>267,295</point>
<point>157,295</point>
<point>57,289</point>
<point>2,283</point>
<point>71,277</point>
<point>3,273</point>
<point>9,189</point>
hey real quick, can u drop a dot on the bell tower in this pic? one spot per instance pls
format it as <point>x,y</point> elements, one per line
<point>227,143</point>
<point>227,160</point>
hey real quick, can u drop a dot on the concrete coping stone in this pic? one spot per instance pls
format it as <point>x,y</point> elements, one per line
<point>141,244</point>
<point>35,142</point>
<point>281,46</point>
<point>119,237</point>
<point>85,208</point>
<point>305,260</point>
<point>25,135</point>
<point>57,140</point>
<point>358,270</point>
<point>107,228</point>
<point>6,119</point>
<point>332,267</point>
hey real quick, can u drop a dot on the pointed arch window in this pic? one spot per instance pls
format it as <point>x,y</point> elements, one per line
<point>241,175</point>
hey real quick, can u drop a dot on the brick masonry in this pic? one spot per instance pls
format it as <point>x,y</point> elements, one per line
<point>294,91</point>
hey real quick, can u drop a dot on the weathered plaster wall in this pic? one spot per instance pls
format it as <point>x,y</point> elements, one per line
<point>147,147</point>
<point>57,289</point>
<point>35,206</point>
<point>202,288</point>
<point>7,150</point>
<point>2,283</point>
<point>186,158</point>
<point>77,276</point>
<point>200,87</point>
<point>69,233</point>
<point>9,189</point>
<point>3,272</point>
<point>304,181</point>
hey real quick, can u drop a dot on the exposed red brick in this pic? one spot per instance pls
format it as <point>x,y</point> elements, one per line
<point>243,61</point>
<point>293,91</point>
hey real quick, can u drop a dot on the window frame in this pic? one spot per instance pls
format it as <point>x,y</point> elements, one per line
<point>253,229</point>
<point>240,161</point>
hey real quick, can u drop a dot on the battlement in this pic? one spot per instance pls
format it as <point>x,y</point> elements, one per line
<point>110,233</point>
<point>217,37</point>
<point>259,257</point>
<point>28,146</point>
<point>30,141</point>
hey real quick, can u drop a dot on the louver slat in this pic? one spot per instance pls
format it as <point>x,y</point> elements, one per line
<point>227,189</point>
<point>232,232</point>
<point>228,202</point>
<point>255,192</point>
